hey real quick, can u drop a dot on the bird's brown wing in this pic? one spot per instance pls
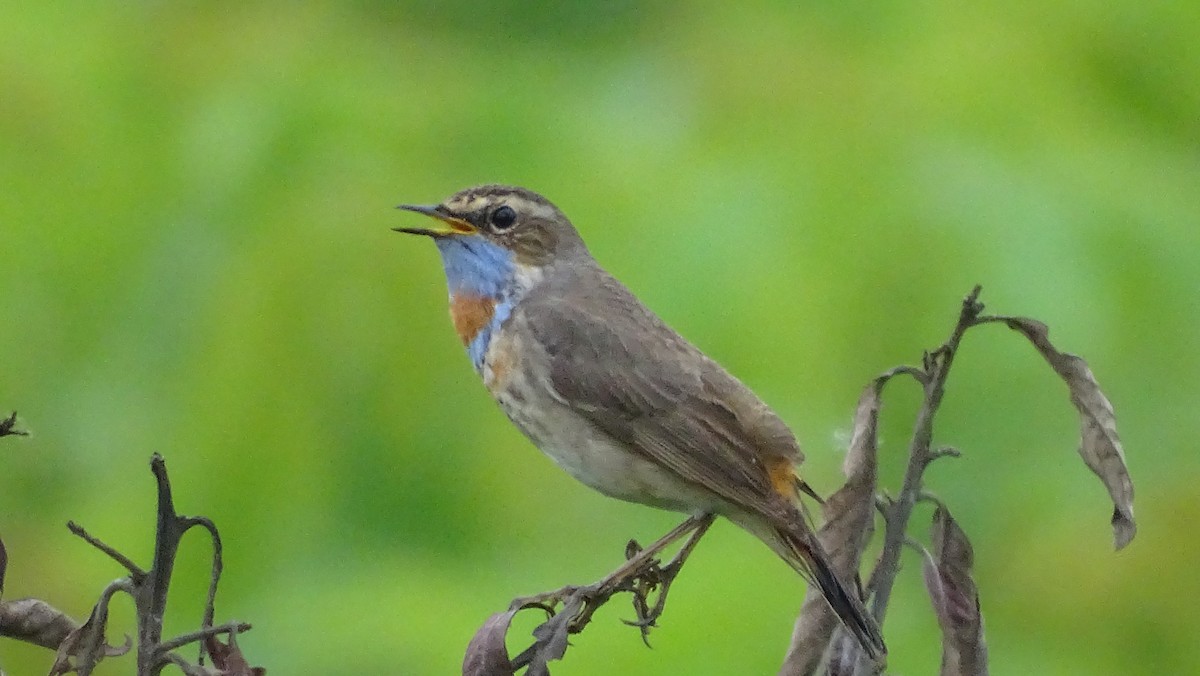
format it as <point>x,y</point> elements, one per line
<point>626,372</point>
<point>617,365</point>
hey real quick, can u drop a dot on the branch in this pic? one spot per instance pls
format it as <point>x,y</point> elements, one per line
<point>149,591</point>
<point>933,374</point>
<point>640,575</point>
<point>35,621</point>
<point>214,577</point>
<point>136,574</point>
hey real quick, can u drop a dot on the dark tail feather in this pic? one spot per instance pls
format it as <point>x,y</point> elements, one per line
<point>849,608</point>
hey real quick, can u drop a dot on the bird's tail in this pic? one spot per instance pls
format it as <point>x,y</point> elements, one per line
<point>804,553</point>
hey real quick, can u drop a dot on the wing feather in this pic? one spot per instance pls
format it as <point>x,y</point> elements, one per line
<point>630,375</point>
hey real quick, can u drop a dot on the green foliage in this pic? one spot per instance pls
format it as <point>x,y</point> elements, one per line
<point>195,259</point>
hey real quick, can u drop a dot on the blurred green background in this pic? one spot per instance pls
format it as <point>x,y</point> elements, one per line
<point>195,258</point>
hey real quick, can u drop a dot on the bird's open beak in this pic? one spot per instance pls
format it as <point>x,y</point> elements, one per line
<point>453,224</point>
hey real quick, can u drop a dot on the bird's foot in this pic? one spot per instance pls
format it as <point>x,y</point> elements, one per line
<point>655,575</point>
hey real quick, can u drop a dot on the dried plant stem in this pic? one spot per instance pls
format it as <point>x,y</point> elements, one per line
<point>571,608</point>
<point>149,588</point>
<point>136,574</point>
<point>898,511</point>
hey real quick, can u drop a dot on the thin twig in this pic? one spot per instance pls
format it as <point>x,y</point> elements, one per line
<point>191,637</point>
<point>136,574</point>
<point>215,576</point>
<point>945,452</point>
<point>926,496</point>
<point>8,427</point>
<point>917,374</point>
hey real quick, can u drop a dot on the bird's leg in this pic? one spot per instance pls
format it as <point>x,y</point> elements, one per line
<point>662,577</point>
<point>639,575</point>
<point>637,558</point>
<point>641,556</point>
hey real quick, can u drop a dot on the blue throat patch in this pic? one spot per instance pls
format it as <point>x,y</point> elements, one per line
<point>477,267</point>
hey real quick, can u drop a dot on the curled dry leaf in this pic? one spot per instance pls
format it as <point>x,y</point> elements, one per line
<point>487,654</point>
<point>551,635</point>
<point>83,648</point>
<point>844,654</point>
<point>955,598</point>
<point>3,565</point>
<point>849,515</point>
<point>35,621</point>
<point>1099,444</point>
<point>228,658</point>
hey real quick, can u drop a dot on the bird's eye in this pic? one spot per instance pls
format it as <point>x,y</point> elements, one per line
<point>504,218</point>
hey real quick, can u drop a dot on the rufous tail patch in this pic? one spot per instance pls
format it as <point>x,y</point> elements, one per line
<point>783,477</point>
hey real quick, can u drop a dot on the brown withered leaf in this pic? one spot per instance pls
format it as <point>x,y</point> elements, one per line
<point>551,638</point>
<point>1099,445</point>
<point>85,645</point>
<point>849,516</point>
<point>844,654</point>
<point>228,658</point>
<point>35,621</point>
<point>487,653</point>
<point>955,598</point>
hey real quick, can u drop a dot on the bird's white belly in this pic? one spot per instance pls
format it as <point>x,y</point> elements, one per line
<point>610,467</point>
<point>578,446</point>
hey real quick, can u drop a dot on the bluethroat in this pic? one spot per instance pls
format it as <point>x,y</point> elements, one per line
<point>612,394</point>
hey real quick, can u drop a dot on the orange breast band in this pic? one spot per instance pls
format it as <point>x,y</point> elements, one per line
<point>470,314</point>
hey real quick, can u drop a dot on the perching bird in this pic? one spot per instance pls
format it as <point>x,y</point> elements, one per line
<point>612,394</point>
